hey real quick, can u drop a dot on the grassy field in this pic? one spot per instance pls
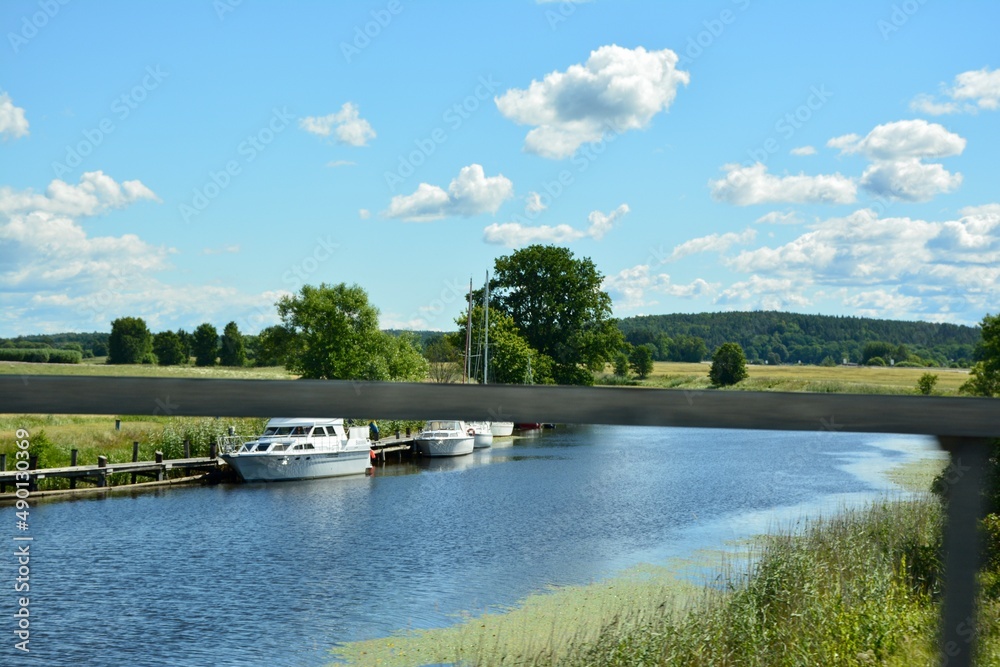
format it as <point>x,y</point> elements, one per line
<point>838,379</point>
<point>98,367</point>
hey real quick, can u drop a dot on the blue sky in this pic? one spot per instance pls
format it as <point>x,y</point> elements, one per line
<point>194,161</point>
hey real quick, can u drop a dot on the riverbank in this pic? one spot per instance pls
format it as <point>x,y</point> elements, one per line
<point>858,588</point>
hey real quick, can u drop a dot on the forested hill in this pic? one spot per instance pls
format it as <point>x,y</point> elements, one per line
<point>793,337</point>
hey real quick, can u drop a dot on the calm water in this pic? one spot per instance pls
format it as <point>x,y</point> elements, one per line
<point>278,574</point>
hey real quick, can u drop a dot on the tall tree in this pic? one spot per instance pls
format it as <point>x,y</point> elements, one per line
<point>169,349</point>
<point>273,344</point>
<point>641,360</point>
<point>333,334</point>
<point>556,302</point>
<point>729,365</point>
<point>130,341</point>
<point>233,351</point>
<point>984,378</point>
<point>205,345</point>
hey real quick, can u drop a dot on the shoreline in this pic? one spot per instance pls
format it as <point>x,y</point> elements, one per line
<point>551,622</point>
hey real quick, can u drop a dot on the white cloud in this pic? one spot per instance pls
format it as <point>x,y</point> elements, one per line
<point>803,150</point>
<point>13,124</point>
<point>764,294</point>
<point>632,285</point>
<point>971,91</point>
<point>902,139</point>
<point>534,203</point>
<point>617,89</point>
<point>470,193</point>
<point>515,234</point>
<point>97,192</point>
<point>347,125</point>
<point>712,243</point>
<point>882,303</point>
<point>364,213</point>
<point>54,276</point>
<point>341,163</point>
<point>779,218</point>
<point>909,180</point>
<point>744,186</point>
<point>925,103</point>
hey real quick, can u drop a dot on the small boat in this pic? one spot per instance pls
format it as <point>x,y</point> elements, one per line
<point>446,438</point>
<point>501,429</point>
<point>528,426</point>
<point>482,433</point>
<point>299,448</point>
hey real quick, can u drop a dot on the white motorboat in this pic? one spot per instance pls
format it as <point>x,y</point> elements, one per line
<point>299,448</point>
<point>501,429</point>
<point>482,433</point>
<point>446,438</point>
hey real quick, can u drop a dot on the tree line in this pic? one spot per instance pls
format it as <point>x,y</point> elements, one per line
<point>779,337</point>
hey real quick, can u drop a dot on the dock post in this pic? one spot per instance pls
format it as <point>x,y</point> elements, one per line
<point>159,471</point>
<point>32,465</point>
<point>135,455</point>
<point>213,450</point>
<point>73,453</point>
<point>187,449</point>
<point>102,477</point>
<point>118,424</point>
<point>3,467</point>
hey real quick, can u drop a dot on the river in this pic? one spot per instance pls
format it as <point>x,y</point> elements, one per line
<point>277,574</point>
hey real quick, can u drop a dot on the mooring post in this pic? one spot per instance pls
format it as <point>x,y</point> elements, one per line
<point>159,471</point>
<point>3,466</point>
<point>118,424</point>
<point>213,450</point>
<point>135,455</point>
<point>73,453</point>
<point>187,449</point>
<point>32,480</point>
<point>102,476</point>
<point>963,486</point>
<point>159,456</point>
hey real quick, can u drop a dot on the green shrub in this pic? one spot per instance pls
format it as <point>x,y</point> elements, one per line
<point>876,361</point>
<point>65,357</point>
<point>925,385</point>
<point>32,355</point>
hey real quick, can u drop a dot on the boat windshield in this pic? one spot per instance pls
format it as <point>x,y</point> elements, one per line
<point>442,426</point>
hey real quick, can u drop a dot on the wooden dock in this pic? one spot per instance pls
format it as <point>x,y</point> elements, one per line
<point>98,474</point>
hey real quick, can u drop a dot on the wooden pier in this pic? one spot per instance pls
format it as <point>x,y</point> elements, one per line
<point>98,474</point>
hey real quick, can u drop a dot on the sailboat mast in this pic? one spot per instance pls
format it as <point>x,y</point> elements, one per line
<point>468,337</point>
<point>486,336</point>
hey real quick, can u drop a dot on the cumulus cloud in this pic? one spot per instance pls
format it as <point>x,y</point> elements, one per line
<point>346,125</point>
<point>897,151</point>
<point>901,140</point>
<point>909,180</point>
<point>747,185</point>
<point>803,150</point>
<point>13,124</point>
<point>96,193</point>
<point>470,193</point>
<point>712,243</point>
<point>364,213</point>
<point>516,234</point>
<point>617,89</point>
<point>533,203</point>
<point>970,92</point>
<point>764,294</point>
<point>779,218</point>
<point>631,287</point>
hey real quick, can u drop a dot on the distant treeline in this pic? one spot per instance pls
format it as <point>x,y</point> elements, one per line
<point>777,337</point>
<point>61,348</point>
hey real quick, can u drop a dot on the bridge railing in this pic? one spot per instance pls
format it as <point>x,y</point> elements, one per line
<point>963,426</point>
